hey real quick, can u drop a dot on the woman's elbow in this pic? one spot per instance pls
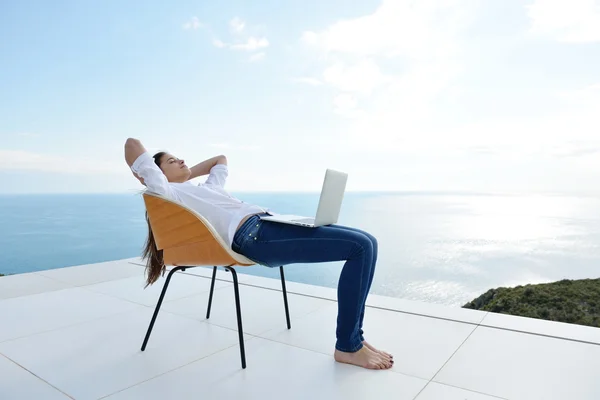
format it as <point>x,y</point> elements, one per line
<point>133,149</point>
<point>132,142</point>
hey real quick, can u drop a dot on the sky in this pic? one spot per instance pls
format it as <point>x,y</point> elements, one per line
<point>427,95</point>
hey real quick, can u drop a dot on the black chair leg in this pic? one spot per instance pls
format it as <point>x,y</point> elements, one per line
<point>285,301</point>
<point>160,300</point>
<point>239,314</point>
<point>212,289</point>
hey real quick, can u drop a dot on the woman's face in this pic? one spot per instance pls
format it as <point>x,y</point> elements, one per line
<point>174,169</point>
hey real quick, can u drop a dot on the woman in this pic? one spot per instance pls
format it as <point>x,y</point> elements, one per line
<point>267,243</point>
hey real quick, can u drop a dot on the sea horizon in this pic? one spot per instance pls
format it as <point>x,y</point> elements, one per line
<point>436,246</point>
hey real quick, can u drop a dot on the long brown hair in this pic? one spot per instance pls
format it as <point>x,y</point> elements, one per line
<point>155,266</point>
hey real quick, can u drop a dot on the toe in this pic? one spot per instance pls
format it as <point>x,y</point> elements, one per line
<point>388,363</point>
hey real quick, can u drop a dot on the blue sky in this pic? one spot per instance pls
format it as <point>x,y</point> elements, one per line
<point>458,95</point>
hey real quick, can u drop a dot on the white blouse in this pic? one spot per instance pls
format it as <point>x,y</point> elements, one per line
<point>209,199</point>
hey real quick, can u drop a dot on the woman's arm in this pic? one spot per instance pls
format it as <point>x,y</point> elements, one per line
<point>133,149</point>
<point>205,166</point>
<point>145,169</point>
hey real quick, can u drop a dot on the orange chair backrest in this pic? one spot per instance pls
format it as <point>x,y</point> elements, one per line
<point>184,238</point>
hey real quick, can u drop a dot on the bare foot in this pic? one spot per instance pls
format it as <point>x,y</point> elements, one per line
<point>388,355</point>
<point>365,358</point>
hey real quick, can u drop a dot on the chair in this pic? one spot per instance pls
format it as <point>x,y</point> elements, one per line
<point>188,240</point>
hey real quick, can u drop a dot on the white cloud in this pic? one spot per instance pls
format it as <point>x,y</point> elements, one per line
<point>390,69</point>
<point>244,39</point>
<point>20,160</point>
<point>235,147</point>
<point>589,95</point>
<point>251,44</point>
<point>422,37</point>
<point>573,21</point>
<point>345,104</point>
<point>398,27</point>
<point>256,57</point>
<point>308,81</point>
<point>218,43</point>
<point>571,132</point>
<point>576,149</point>
<point>192,24</point>
<point>237,25</point>
<point>363,77</point>
<point>220,145</point>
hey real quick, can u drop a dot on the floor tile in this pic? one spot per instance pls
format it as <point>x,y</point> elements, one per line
<point>269,283</point>
<point>548,328</point>
<point>94,273</point>
<point>417,344</point>
<point>292,287</point>
<point>137,261</point>
<point>85,341</point>
<point>274,370</point>
<point>27,284</point>
<point>437,391</point>
<point>132,289</point>
<point>427,309</point>
<point>27,315</point>
<point>524,366</point>
<point>262,309</point>
<point>95,359</point>
<point>222,274</point>
<point>20,384</point>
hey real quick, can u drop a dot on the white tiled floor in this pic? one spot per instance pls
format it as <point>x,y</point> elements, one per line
<point>94,273</point>
<point>524,366</point>
<point>274,371</point>
<point>542,327</point>
<point>27,315</point>
<point>390,303</point>
<point>97,358</point>
<point>431,310</point>
<point>262,309</point>
<point>76,333</point>
<point>253,280</point>
<point>28,284</point>
<point>437,391</point>
<point>132,289</point>
<point>18,383</point>
<point>418,347</point>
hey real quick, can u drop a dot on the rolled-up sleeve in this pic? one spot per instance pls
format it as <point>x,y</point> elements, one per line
<point>154,179</point>
<point>218,175</point>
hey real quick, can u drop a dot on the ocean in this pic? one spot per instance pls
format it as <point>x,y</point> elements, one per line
<point>439,248</point>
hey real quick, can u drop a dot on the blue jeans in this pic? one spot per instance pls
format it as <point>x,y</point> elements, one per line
<point>274,244</point>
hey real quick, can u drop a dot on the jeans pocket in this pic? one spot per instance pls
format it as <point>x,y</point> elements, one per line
<point>248,235</point>
<point>255,232</point>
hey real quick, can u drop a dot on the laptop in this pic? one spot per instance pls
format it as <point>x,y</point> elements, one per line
<point>330,203</point>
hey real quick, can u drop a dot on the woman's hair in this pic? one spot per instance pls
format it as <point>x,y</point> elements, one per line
<point>157,157</point>
<point>155,267</point>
